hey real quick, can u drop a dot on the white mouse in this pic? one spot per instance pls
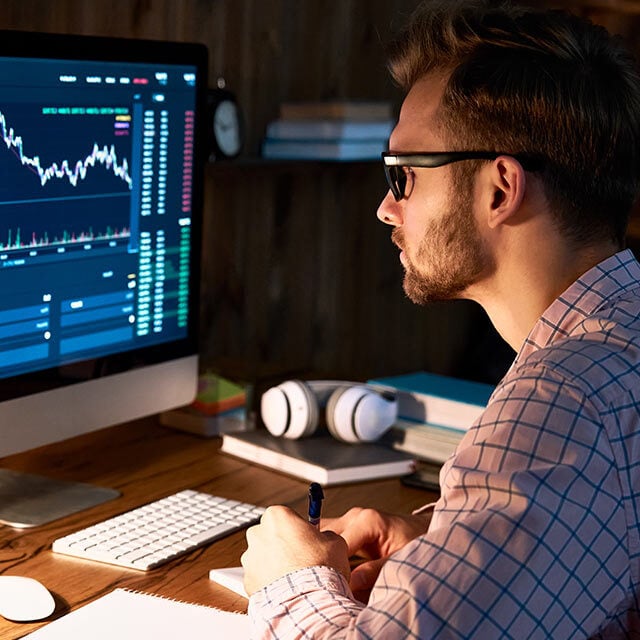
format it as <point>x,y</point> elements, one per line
<point>24,599</point>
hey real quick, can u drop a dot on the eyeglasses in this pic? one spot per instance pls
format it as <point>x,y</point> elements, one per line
<point>397,177</point>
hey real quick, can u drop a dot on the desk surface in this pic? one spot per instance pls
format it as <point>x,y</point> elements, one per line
<point>145,461</point>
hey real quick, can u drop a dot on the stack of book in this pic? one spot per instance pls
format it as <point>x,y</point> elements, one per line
<point>219,407</point>
<point>329,131</point>
<point>434,412</point>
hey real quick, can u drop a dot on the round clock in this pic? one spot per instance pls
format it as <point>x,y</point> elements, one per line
<point>225,123</point>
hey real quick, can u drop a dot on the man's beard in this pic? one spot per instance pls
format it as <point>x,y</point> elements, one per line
<point>450,257</point>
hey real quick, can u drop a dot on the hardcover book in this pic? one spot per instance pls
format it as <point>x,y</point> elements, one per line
<point>353,109</point>
<point>338,149</point>
<point>328,129</point>
<point>320,458</point>
<point>202,424</point>
<point>436,399</point>
<point>424,441</point>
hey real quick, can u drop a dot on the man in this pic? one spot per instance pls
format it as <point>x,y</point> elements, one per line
<point>537,531</point>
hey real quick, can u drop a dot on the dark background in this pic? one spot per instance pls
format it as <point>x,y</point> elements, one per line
<point>299,278</point>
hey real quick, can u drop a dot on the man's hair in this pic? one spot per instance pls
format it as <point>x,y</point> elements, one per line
<point>548,84</point>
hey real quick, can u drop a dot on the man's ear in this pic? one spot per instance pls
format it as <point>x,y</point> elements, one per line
<point>505,181</point>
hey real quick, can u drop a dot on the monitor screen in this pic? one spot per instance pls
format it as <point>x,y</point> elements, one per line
<point>100,212</point>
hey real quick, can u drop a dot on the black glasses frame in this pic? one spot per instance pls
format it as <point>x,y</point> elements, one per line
<point>397,178</point>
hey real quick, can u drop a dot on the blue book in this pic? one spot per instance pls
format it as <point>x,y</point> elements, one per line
<point>435,399</point>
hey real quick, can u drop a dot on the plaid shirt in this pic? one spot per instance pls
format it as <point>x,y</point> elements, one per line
<point>537,532</point>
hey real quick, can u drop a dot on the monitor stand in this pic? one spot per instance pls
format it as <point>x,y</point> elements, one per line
<point>28,500</point>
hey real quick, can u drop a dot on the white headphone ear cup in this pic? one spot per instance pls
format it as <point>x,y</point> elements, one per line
<point>375,415</point>
<point>359,414</point>
<point>339,425</point>
<point>289,410</point>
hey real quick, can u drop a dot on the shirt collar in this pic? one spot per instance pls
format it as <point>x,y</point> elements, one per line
<point>607,280</point>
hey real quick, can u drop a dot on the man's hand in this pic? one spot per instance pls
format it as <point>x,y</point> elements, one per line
<point>374,535</point>
<point>284,542</point>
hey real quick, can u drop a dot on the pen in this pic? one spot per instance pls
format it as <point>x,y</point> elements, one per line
<point>315,503</point>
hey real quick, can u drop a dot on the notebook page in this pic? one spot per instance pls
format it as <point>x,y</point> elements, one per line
<point>134,615</point>
<point>230,577</point>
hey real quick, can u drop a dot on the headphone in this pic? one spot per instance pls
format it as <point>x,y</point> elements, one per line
<point>354,412</point>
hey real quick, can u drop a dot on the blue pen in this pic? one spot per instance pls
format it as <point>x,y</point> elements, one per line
<point>315,503</point>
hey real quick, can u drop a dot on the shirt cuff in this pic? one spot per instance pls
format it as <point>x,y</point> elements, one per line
<point>300,582</point>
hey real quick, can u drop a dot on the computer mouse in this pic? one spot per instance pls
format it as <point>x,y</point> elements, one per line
<point>24,599</point>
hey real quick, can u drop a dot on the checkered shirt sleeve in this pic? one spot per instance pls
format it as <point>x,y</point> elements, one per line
<point>536,534</point>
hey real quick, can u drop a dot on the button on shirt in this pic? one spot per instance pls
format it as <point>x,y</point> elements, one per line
<point>537,531</point>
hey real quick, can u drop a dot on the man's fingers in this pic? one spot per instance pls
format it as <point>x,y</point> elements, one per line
<point>276,513</point>
<point>365,574</point>
<point>358,527</point>
<point>333,537</point>
<point>358,539</point>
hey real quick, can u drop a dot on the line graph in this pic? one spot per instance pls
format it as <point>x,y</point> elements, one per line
<point>67,174</point>
<point>105,155</point>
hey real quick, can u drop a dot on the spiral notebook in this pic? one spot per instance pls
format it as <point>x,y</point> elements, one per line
<point>133,615</point>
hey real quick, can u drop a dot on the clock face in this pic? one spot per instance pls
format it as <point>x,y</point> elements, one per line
<point>226,127</point>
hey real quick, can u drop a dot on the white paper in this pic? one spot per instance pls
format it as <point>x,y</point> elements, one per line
<point>133,615</point>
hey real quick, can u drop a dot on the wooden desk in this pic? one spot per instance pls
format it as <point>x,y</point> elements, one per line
<point>145,461</point>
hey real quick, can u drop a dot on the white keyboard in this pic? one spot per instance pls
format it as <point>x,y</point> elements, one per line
<point>159,531</point>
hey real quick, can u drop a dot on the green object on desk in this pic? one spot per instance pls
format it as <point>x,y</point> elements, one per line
<point>217,394</point>
<point>219,407</point>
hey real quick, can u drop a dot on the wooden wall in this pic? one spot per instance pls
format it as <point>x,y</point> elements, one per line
<point>299,278</point>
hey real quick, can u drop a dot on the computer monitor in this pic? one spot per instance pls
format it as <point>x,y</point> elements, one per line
<point>100,217</point>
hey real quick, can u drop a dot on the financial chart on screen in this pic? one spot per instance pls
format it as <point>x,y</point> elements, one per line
<point>95,208</point>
